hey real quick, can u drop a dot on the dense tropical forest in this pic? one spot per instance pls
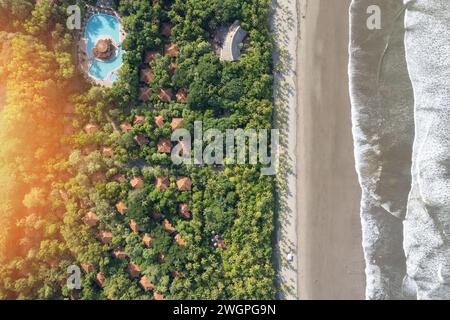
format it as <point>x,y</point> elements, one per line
<point>86,178</point>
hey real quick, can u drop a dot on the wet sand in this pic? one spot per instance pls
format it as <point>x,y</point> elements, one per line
<point>330,262</point>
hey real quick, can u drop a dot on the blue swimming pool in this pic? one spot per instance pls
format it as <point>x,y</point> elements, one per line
<point>101,25</point>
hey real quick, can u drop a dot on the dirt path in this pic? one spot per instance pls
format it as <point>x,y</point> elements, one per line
<point>330,261</point>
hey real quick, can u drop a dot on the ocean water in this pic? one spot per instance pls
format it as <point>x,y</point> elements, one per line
<point>101,25</point>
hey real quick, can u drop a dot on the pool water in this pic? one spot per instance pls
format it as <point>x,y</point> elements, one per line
<point>101,25</point>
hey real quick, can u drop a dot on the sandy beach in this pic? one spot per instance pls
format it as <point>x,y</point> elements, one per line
<point>330,261</point>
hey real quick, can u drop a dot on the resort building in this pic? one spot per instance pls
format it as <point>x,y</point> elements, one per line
<point>105,237</point>
<point>145,94</point>
<point>126,127</point>
<point>164,145</point>
<point>171,50</point>
<point>179,239</point>
<point>168,226</point>
<point>146,75</point>
<point>139,120</point>
<point>183,209</point>
<point>159,121</point>
<point>91,219</point>
<point>100,52</point>
<point>176,123</point>
<point>165,94</point>
<point>140,139</point>
<point>121,207</point>
<point>107,151</point>
<point>182,96</point>
<point>119,254</point>
<point>134,226</point>
<point>133,270</point>
<point>87,267</point>
<point>162,183</point>
<point>231,48</point>
<point>184,184</point>
<point>148,241</point>
<point>146,284</point>
<point>100,279</point>
<point>91,128</point>
<point>137,183</point>
<point>158,296</point>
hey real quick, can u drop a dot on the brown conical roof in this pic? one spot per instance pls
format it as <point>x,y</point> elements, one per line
<point>87,149</point>
<point>91,219</point>
<point>87,267</point>
<point>140,139</point>
<point>165,94</point>
<point>137,183</point>
<point>221,244</point>
<point>133,270</point>
<point>139,120</point>
<point>107,151</point>
<point>146,284</point>
<point>100,279</point>
<point>182,96</point>
<point>126,127</point>
<point>168,226</point>
<point>122,207</point>
<point>184,184</point>
<point>158,296</point>
<point>184,210</point>
<point>145,94</point>
<point>134,226</point>
<point>162,183</point>
<point>164,145</point>
<point>103,45</point>
<point>120,254</point>
<point>148,241</point>
<point>179,239</point>
<point>146,75</point>
<point>104,49</point>
<point>105,237</point>
<point>176,123</point>
<point>171,50</point>
<point>159,121</point>
<point>91,128</point>
<point>75,295</point>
